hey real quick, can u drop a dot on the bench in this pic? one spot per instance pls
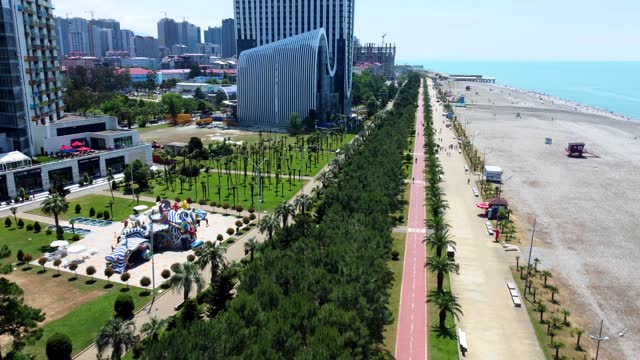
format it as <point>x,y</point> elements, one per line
<point>511,285</point>
<point>516,301</point>
<point>475,192</point>
<point>515,296</point>
<point>462,341</point>
<point>489,227</point>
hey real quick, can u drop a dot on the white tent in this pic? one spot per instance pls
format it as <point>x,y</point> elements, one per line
<point>14,160</point>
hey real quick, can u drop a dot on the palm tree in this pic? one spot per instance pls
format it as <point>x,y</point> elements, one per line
<point>284,210</point>
<point>546,274</point>
<point>554,290</point>
<point>250,247</point>
<point>212,255</point>
<point>536,262</point>
<point>55,204</point>
<point>438,223</point>
<point>541,308</point>
<point>441,265</point>
<point>269,224</point>
<point>439,241</point>
<point>109,180</point>
<point>152,328</point>
<point>72,222</point>
<point>303,203</point>
<point>565,313</point>
<point>557,346</point>
<point>446,302</point>
<point>184,277</point>
<point>118,334</point>
<point>578,333</point>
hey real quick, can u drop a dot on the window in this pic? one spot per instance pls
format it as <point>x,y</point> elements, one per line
<point>123,142</point>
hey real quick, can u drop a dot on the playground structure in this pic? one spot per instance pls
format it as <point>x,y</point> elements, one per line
<point>578,150</point>
<point>174,228</point>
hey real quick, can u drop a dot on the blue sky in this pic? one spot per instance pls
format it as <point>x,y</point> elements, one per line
<point>435,29</point>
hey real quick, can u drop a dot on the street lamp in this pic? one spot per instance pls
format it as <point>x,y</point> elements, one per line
<point>599,338</point>
<point>533,232</point>
<point>258,165</point>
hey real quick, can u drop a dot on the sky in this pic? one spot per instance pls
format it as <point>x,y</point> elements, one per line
<point>463,30</point>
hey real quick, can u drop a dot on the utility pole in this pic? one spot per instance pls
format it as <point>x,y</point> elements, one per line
<point>599,338</point>
<point>526,281</point>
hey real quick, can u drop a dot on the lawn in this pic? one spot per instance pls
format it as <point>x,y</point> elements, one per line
<point>122,207</point>
<point>43,160</point>
<point>83,324</point>
<point>243,193</point>
<point>150,128</point>
<point>439,347</point>
<point>28,241</point>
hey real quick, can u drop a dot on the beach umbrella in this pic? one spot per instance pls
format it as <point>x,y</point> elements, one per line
<point>140,208</point>
<point>65,148</point>
<point>76,144</point>
<point>83,149</point>
<point>483,205</point>
<point>59,243</point>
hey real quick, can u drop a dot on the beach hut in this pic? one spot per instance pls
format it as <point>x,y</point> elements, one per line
<point>492,173</point>
<point>575,149</point>
<point>495,204</point>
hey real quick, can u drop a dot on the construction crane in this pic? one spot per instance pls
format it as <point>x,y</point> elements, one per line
<point>383,37</point>
<point>90,12</point>
<point>165,13</point>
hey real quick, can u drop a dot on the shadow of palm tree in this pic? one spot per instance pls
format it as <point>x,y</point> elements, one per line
<point>445,333</point>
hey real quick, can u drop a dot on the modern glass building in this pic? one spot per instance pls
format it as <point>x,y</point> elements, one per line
<point>261,22</point>
<point>284,77</point>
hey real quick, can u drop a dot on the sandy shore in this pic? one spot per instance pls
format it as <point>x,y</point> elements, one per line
<point>591,205</point>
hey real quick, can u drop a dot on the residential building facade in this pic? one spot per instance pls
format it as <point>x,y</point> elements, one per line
<point>229,46</point>
<point>144,46</point>
<point>376,54</point>
<point>62,36</point>
<point>79,36</point>
<point>125,39</point>
<point>167,32</point>
<point>213,35</point>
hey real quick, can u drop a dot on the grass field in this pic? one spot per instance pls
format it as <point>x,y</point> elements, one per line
<point>83,324</point>
<point>121,207</point>
<point>28,241</point>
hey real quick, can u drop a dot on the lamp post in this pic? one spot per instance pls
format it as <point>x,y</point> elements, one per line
<point>258,165</point>
<point>533,232</point>
<point>599,338</point>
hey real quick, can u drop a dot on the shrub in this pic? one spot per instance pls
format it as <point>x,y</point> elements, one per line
<point>20,224</point>
<point>178,199</point>
<point>213,204</point>
<point>245,220</point>
<point>78,209</point>
<point>59,347</point>
<point>125,278</point>
<point>202,202</point>
<point>238,223</point>
<point>225,206</point>
<point>73,267</point>
<point>108,272</point>
<point>220,237</point>
<point>191,258</point>
<point>106,215</point>
<point>92,212</point>
<point>27,258</point>
<point>251,210</point>
<point>20,256</point>
<point>29,227</point>
<point>43,260</point>
<point>145,282</point>
<point>48,231</point>
<point>239,208</point>
<point>252,216</point>
<point>114,185</point>
<point>158,199</point>
<point>5,252</point>
<point>166,273</point>
<point>189,200</point>
<point>37,227</point>
<point>99,214</point>
<point>57,263</point>
<point>230,241</point>
<point>175,266</point>
<point>75,237</point>
<point>124,306</point>
<point>230,231</point>
<point>81,183</point>
<point>90,271</point>
<point>395,255</point>
<point>7,222</point>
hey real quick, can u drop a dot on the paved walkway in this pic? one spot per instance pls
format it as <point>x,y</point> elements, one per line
<point>411,341</point>
<point>495,329</point>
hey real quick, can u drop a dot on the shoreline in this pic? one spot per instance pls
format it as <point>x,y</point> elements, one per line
<point>578,106</point>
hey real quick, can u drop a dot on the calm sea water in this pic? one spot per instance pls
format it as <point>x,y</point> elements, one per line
<point>612,86</point>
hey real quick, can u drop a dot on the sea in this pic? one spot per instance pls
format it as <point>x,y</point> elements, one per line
<point>610,86</point>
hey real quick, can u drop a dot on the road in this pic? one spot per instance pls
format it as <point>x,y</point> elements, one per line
<point>411,341</point>
<point>495,329</point>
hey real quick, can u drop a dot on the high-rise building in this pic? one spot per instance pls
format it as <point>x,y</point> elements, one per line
<point>144,46</point>
<point>62,36</point>
<point>101,41</point>
<point>167,32</point>
<point>261,22</point>
<point>213,35</point>
<point>229,48</point>
<point>125,39</point>
<point>14,121</point>
<point>79,36</point>
<point>189,35</point>
<point>112,25</point>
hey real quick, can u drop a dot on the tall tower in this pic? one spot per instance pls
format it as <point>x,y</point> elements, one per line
<point>260,22</point>
<point>229,48</point>
<point>168,32</point>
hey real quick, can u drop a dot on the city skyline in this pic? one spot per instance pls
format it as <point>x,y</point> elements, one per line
<point>492,30</point>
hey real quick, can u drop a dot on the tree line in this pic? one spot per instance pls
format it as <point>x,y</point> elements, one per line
<point>319,287</point>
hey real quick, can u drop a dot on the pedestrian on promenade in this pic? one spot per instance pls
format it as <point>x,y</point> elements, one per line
<point>413,180</point>
<point>468,181</point>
